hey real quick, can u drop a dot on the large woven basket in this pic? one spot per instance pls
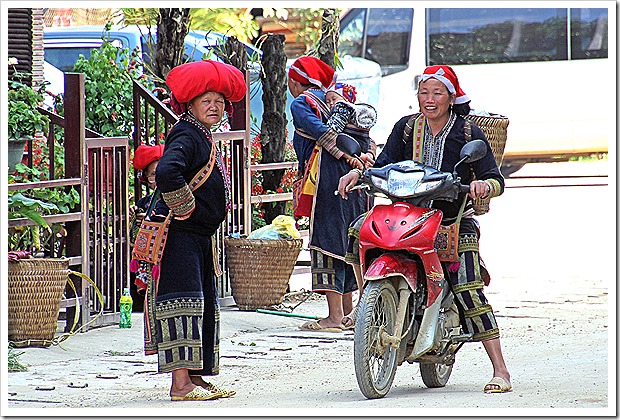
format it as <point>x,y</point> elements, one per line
<point>35,288</point>
<point>494,128</point>
<point>260,270</point>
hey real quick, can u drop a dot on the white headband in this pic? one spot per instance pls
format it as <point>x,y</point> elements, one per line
<point>313,81</point>
<point>439,75</point>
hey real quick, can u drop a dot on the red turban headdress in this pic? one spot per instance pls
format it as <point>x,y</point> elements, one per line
<point>312,71</point>
<point>195,78</point>
<point>145,155</point>
<point>447,76</point>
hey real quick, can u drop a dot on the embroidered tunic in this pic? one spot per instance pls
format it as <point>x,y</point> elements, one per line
<point>444,151</point>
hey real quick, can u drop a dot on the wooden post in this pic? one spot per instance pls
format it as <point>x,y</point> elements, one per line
<point>75,167</point>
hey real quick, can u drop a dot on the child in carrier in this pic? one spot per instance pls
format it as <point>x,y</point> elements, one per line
<point>362,120</point>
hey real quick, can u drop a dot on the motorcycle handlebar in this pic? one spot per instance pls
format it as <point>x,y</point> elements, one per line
<point>356,187</point>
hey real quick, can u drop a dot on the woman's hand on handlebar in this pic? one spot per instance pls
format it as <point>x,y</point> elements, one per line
<point>347,182</point>
<point>479,189</point>
<point>368,159</point>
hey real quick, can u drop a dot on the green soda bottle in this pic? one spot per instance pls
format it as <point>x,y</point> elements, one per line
<point>126,306</point>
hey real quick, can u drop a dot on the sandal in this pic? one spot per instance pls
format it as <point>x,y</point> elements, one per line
<point>224,393</point>
<point>348,321</point>
<point>497,385</point>
<point>197,394</point>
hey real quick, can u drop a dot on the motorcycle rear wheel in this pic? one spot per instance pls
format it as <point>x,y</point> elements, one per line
<point>435,375</point>
<point>375,365</point>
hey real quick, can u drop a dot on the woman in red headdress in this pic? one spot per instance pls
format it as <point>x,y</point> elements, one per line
<point>438,133</point>
<point>145,160</point>
<point>322,164</point>
<point>185,318</point>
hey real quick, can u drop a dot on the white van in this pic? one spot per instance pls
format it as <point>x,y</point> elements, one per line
<point>533,65</point>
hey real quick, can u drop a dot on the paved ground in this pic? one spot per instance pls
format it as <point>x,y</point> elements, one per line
<point>552,256</point>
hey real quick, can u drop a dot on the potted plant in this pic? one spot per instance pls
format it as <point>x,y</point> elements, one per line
<point>24,120</point>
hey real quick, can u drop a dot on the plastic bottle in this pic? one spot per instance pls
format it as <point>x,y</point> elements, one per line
<point>126,307</point>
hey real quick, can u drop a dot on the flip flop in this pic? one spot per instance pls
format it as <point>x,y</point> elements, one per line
<point>501,384</point>
<point>315,326</point>
<point>197,394</point>
<point>352,318</point>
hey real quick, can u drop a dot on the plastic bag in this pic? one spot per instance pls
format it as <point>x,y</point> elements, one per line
<point>282,227</point>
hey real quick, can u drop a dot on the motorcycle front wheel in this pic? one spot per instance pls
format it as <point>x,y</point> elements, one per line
<point>375,362</point>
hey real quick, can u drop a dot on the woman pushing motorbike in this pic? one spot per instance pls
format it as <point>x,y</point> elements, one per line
<point>435,137</point>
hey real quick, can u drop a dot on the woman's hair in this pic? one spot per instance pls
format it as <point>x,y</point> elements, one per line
<point>461,109</point>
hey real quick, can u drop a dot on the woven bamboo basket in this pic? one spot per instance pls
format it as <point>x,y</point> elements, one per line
<point>494,128</point>
<point>260,270</point>
<point>35,288</point>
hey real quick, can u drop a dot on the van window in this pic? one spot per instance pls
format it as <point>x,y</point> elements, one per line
<point>474,36</point>
<point>351,40</point>
<point>64,58</point>
<point>589,29</point>
<point>384,37</point>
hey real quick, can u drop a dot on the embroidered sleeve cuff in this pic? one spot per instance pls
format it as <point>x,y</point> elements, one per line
<point>181,201</point>
<point>372,148</point>
<point>495,188</point>
<point>328,141</point>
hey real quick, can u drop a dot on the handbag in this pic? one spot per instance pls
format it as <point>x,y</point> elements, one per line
<point>447,239</point>
<point>151,238</point>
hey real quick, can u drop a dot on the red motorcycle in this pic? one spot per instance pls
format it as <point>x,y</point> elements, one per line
<point>407,310</point>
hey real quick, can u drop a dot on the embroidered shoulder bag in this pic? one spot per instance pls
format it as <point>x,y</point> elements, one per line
<point>151,237</point>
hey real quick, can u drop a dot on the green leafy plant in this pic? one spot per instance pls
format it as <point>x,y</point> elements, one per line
<point>14,365</point>
<point>34,204</point>
<point>109,74</point>
<point>23,118</point>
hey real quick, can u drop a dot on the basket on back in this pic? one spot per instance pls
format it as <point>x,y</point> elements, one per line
<point>494,128</point>
<point>260,269</point>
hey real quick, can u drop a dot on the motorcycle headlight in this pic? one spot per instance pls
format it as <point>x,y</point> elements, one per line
<point>380,183</point>
<point>408,184</point>
<point>403,184</point>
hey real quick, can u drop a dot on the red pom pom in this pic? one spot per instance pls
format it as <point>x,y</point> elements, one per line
<point>134,265</point>
<point>454,267</point>
<point>155,272</point>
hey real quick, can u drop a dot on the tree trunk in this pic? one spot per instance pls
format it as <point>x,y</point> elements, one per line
<point>172,28</point>
<point>330,27</point>
<point>273,127</point>
<point>236,55</point>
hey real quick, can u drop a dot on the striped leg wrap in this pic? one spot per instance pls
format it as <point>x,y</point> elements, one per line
<point>467,286</point>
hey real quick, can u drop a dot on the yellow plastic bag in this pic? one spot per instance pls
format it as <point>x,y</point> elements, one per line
<point>288,223</point>
<point>282,227</point>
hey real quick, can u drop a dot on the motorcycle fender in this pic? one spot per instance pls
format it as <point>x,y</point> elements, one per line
<point>428,328</point>
<point>392,265</point>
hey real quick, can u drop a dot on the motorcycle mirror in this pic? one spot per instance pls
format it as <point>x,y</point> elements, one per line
<point>348,145</point>
<point>473,150</point>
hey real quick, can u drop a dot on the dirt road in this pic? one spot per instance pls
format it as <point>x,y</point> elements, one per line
<point>553,291</point>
